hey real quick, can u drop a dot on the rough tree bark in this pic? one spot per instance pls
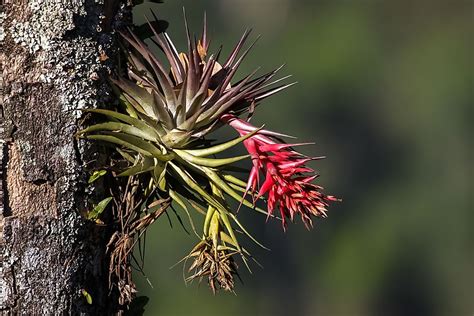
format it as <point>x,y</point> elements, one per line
<point>53,56</point>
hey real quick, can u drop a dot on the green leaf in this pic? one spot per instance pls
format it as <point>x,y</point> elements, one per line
<point>207,221</point>
<point>208,162</point>
<point>127,119</point>
<point>176,138</point>
<point>161,110</point>
<point>224,213</point>
<point>126,155</point>
<point>134,143</point>
<point>180,115</point>
<point>175,196</point>
<point>159,174</point>
<point>135,106</point>
<point>140,95</point>
<point>230,178</point>
<point>216,179</point>
<point>189,182</point>
<point>98,209</point>
<point>96,175</point>
<point>145,165</point>
<point>226,238</point>
<point>87,296</point>
<point>157,126</point>
<point>218,182</point>
<point>120,127</point>
<point>118,141</point>
<point>190,123</point>
<point>128,106</point>
<point>221,147</point>
<point>225,219</point>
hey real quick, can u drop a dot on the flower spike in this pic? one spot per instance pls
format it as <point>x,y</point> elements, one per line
<point>287,184</point>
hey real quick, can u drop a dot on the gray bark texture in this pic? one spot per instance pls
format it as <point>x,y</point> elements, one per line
<point>54,57</point>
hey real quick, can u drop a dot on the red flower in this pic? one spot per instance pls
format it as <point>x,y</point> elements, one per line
<point>288,181</point>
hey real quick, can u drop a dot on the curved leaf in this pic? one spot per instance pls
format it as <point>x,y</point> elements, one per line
<point>140,95</point>
<point>127,119</point>
<point>137,144</point>
<point>208,162</point>
<point>221,147</point>
<point>96,175</point>
<point>120,127</point>
<point>181,203</point>
<point>147,164</point>
<point>98,209</point>
<point>231,192</point>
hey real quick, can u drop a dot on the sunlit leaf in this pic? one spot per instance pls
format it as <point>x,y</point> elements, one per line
<point>120,127</point>
<point>96,175</point>
<point>87,296</point>
<point>221,147</point>
<point>98,209</point>
<point>159,174</point>
<point>127,119</point>
<point>208,162</point>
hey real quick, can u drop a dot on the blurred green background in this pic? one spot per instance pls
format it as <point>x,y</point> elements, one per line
<point>386,91</point>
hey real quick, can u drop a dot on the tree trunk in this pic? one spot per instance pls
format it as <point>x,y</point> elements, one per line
<point>54,55</point>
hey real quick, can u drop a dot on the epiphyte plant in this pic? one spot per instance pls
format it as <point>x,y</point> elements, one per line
<point>167,110</point>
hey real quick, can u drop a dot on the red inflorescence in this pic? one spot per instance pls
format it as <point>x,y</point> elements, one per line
<point>288,181</point>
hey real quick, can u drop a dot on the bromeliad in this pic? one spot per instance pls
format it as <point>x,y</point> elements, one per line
<point>167,109</point>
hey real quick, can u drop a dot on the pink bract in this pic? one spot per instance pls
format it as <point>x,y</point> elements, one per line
<point>287,184</point>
